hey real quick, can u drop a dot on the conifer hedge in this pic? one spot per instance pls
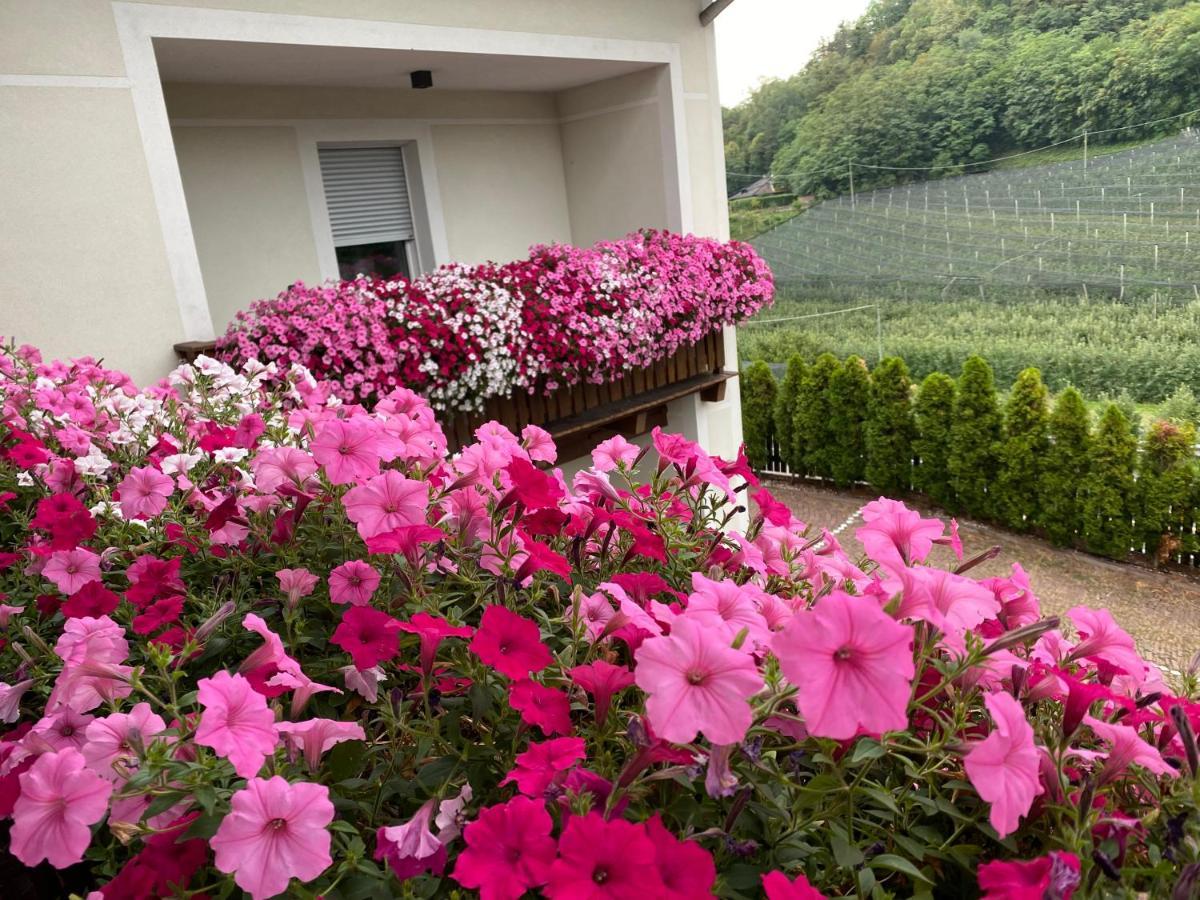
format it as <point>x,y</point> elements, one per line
<point>890,428</point>
<point>759,395</point>
<point>933,414</point>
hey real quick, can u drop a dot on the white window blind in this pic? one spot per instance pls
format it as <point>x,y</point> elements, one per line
<point>366,194</point>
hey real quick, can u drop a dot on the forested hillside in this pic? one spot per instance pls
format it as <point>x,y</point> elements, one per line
<point>921,83</point>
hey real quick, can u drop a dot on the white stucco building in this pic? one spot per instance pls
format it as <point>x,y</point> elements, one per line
<point>164,163</point>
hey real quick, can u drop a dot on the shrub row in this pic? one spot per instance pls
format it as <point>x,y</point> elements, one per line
<point>1029,463</point>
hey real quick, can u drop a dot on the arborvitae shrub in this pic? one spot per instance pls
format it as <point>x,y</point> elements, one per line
<point>1065,469</point>
<point>1107,493</point>
<point>933,414</point>
<point>890,428</point>
<point>1166,483</point>
<point>813,431</point>
<point>849,393</point>
<point>759,392</point>
<point>1023,452</point>
<point>1181,407</point>
<point>974,440</point>
<point>790,449</point>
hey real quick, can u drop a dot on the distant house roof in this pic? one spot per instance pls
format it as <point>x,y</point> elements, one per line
<point>760,188</point>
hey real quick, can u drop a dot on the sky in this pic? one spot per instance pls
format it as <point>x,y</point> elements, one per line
<point>759,39</point>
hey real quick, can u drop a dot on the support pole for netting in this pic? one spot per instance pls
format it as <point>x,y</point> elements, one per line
<point>879,329</point>
<point>1085,148</point>
<point>850,171</point>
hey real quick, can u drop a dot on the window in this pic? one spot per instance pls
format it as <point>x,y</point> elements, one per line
<point>369,210</point>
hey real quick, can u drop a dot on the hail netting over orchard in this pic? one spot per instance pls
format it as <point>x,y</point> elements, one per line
<point>1124,224</point>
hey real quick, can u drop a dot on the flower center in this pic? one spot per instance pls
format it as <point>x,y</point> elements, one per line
<point>600,875</point>
<point>277,824</point>
<point>696,678</point>
<point>843,653</point>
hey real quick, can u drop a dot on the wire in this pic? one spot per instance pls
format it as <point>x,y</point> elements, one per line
<point>836,312</point>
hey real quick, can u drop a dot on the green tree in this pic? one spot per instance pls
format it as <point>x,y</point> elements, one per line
<point>790,449</point>
<point>933,414</point>
<point>849,392</point>
<point>1166,485</point>
<point>759,392</point>
<point>1023,451</point>
<point>813,431</point>
<point>1065,469</point>
<point>974,440</point>
<point>1108,491</point>
<point>890,428</point>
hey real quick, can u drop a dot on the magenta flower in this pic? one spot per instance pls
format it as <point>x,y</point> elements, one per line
<point>545,707</point>
<point>851,664</point>
<point>1126,748</point>
<point>542,764</point>
<point>696,683</point>
<point>120,738</point>
<point>1003,767</point>
<point>777,886</point>
<point>685,868</point>
<point>600,857</point>
<point>368,635</point>
<point>385,503</point>
<point>312,738</point>
<point>274,832</point>
<point>60,800</point>
<point>509,850</point>
<point>236,722</point>
<point>1055,875</point>
<point>602,679</point>
<point>144,493</point>
<point>348,450</point>
<point>353,582</point>
<point>70,570</point>
<point>412,849</point>
<point>893,531</point>
<point>510,644</point>
<point>433,631</point>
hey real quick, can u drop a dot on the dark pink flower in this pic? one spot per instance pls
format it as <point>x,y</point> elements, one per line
<point>545,707</point>
<point>510,644</point>
<point>602,679</point>
<point>509,850</point>
<point>600,857</point>
<point>433,631</point>
<point>93,599</point>
<point>686,869</point>
<point>541,764</point>
<point>1051,877</point>
<point>777,886</point>
<point>368,635</point>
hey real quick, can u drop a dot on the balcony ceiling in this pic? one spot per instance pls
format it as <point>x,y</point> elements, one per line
<point>238,62</point>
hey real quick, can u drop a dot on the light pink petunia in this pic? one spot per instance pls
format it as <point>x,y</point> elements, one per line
<point>348,450</point>
<point>296,583</point>
<point>278,465</point>
<point>538,444</point>
<point>10,699</point>
<point>72,569</point>
<point>1126,748</point>
<point>144,493</point>
<point>893,531</point>
<point>385,503</point>
<point>696,683</point>
<point>353,582</point>
<point>236,723</point>
<point>851,664</point>
<point>274,832</point>
<point>732,608</point>
<point>1104,639</point>
<point>412,848</point>
<point>1003,767</point>
<point>613,452</point>
<point>119,738</point>
<point>60,799</point>
<point>313,737</point>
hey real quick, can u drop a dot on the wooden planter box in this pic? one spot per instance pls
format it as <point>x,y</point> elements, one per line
<point>580,416</point>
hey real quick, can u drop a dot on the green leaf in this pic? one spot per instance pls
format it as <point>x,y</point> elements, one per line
<point>866,749</point>
<point>204,826</point>
<point>898,864</point>
<point>845,854</point>
<point>345,760</point>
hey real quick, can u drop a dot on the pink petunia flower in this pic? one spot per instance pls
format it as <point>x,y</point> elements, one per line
<point>696,683</point>
<point>348,450</point>
<point>353,582</point>
<point>614,452</point>
<point>70,570</point>
<point>385,503</point>
<point>412,848</point>
<point>1104,639</point>
<point>60,799</point>
<point>893,531</point>
<point>1126,748</point>
<point>144,493</point>
<point>509,850</point>
<point>433,631</point>
<point>545,707</point>
<point>851,664</point>
<point>236,722</point>
<point>274,832</point>
<point>1055,875</point>
<point>120,738</point>
<point>1003,767</point>
<point>280,465</point>
<point>538,444</point>
<point>509,643</point>
<point>777,886</point>
<point>600,857</point>
<point>685,868</point>
<point>312,738</point>
<point>371,637</point>
<point>542,764</point>
<point>602,679</point>
<point>296,583</point>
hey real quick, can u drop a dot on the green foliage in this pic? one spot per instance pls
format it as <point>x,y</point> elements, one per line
<point>791,446</point>
<point>759,394</point>
<point>849,391</point>
<point>933,414</point>
<point>1108,492</point>
<point>813,432</point>
<point>1065,468</point>
<point>1023,452</point>
<point>890,428</point>
<point>1166,485</point>
<point>974,438</point>
<point>1182,407</point>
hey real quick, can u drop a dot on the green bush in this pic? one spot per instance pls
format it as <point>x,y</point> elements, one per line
<point>1108,491</point>
<point>1181,407</point>
<point>890,428</point>
<point>1166,484</point>
<point>1065,468</point>
<point>933,415</point>
<point>813,432</point>
<point>790,448</point>
<point>1023,452</point>
<point>974,439</point>
<point>849,393</point>
<point>759,392</point>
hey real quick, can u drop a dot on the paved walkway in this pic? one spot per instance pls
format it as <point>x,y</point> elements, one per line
<point>1160,609</point>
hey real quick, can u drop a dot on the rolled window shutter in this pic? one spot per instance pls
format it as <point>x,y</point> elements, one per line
<point>366,194</point>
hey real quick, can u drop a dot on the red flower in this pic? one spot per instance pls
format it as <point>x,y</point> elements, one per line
<point>510,644</point>
<point>547,708</point>
<point>541,559</point>
<point>509,850</point>
<point>161,612</point>
<point>541,764</point>
<point>67,520</point>
<point>600,858</point>
<point>93,599</point>
<point>165,860</point>
<point>433,631</point>
<point>531,487</point>
<point>368,635</point>
<point>602,679</point>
